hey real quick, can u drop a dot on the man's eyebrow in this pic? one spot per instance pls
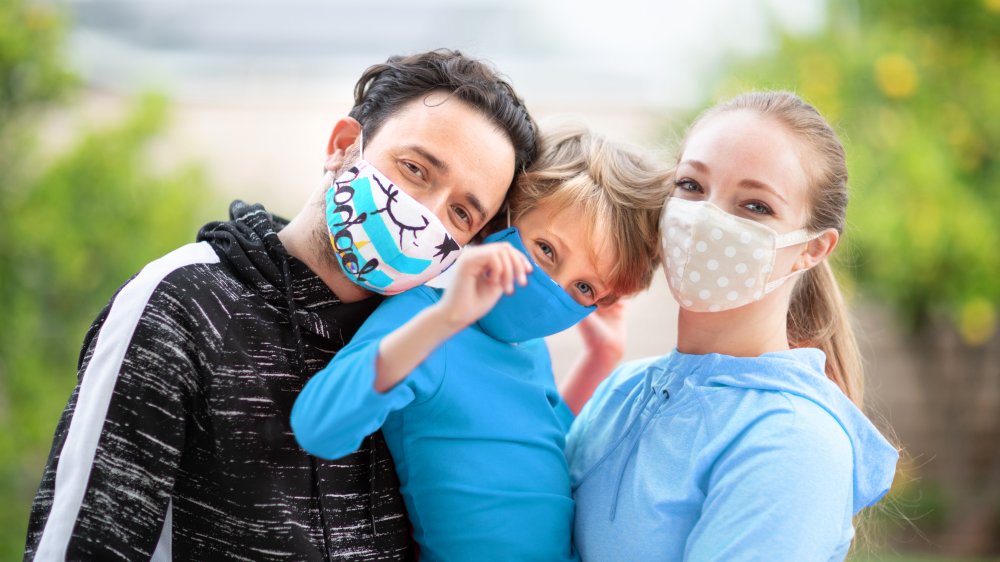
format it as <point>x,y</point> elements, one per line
<point>477,205</point>
<point>433,160</point>
<point>442,167</point>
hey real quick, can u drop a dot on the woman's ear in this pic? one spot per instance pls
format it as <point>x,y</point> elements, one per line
<point>817,249</point>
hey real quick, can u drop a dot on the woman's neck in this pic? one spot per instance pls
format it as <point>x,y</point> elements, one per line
<point>747,331</point>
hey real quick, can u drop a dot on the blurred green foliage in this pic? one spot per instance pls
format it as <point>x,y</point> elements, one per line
<point>74,226</point>
<point>914,88</point>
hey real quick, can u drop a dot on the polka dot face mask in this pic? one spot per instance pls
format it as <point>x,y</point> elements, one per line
<point>717,261</point>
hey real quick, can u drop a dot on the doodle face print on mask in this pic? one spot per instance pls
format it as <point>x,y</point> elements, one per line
<point>385,241</point>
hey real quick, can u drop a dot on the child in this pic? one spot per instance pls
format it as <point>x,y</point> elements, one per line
<point>462,385</point>
<point>747,441</point>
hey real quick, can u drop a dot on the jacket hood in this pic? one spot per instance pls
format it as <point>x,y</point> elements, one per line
<point>801,372</point>
<point>248,244</point>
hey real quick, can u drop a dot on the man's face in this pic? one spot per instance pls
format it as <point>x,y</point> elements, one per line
<point>449,157</point>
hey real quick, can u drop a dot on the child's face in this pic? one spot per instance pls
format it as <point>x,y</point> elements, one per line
<point>558,243</point>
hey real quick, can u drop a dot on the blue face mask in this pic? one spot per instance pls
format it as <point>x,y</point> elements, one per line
<point>540,308</point>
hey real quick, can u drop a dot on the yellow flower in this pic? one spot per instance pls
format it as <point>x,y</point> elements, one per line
<point>896,76</point>
<point>977,321</point>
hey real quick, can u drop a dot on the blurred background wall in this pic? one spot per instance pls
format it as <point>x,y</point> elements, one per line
<point>126,124</point>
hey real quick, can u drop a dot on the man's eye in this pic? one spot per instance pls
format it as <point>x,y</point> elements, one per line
<point>463,215</point>
<point>413,169</point>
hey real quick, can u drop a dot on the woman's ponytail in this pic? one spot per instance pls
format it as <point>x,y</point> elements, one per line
<point>817,317</point>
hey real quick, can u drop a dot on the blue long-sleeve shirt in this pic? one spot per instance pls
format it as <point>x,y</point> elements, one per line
<point>477,432</point>
<point>712,457</point>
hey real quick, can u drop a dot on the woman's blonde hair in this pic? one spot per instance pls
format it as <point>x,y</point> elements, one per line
<point>817,315</point>
<point>615,188</point>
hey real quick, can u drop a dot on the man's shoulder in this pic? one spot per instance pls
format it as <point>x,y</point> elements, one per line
<point>180,281</point>
<point>191,271</point>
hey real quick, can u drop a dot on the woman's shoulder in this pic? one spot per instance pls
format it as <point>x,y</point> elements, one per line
<point>622,386</point>
<point>630,374</point>
<point>787,421</point>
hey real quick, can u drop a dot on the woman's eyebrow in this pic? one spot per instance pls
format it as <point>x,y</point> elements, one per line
<point>754,184</point>
<point>696,164</point>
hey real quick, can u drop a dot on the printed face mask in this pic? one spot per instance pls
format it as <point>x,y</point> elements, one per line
<point>717,261</point>
<point>385,240</point>
<point>540,308</point>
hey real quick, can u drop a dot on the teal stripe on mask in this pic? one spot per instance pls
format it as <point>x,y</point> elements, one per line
<point>379,235</point>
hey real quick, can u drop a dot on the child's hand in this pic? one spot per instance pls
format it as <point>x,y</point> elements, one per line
<point>604,333</point>
<point>483,274</point>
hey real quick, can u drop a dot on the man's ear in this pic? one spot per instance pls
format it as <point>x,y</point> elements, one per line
<point>818,249</point>
<point>345,133</point>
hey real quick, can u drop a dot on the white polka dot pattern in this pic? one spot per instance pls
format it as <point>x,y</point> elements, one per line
<point>717,261</point>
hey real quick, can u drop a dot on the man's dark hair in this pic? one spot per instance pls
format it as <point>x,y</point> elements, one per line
<point>385,88</point>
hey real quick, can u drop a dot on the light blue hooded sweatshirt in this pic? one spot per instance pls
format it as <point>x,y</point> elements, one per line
<point>713,457</point>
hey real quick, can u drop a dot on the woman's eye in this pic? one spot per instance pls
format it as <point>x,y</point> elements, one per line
<point>758,208</point>
<point>688,185</point>
<point>585,289</point>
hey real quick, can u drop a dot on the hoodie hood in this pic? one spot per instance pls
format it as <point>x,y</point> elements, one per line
<point>248,243</point>
<point>800,372</point>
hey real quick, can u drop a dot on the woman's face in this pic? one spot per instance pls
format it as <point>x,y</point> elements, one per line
<point>559,245</point>
<point>750,167</point>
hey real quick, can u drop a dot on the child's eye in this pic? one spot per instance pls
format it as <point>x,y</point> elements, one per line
<point>546,249</point>
<point>758,208</point>
<point>584,288</point>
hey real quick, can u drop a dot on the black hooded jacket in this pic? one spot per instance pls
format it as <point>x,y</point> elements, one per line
<point>176,441</point>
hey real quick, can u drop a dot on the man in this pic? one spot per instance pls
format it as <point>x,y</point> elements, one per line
<point>176,441</point>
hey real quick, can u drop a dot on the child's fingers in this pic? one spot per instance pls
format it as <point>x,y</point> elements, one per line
<point>510,270</point>
<point>523,267</point>
<point>519,267</point>
<point>482,264</point>
<point>494,268</point>
<point>502,265</point>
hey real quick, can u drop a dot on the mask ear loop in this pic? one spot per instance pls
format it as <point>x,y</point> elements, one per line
<point>508,215</point>
<point>784,241</point>
<point>361,144</point>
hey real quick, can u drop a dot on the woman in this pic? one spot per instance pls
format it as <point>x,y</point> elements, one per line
<point>747,441</point>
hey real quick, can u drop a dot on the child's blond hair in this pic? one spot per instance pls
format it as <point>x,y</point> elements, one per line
<point>618,190</point>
